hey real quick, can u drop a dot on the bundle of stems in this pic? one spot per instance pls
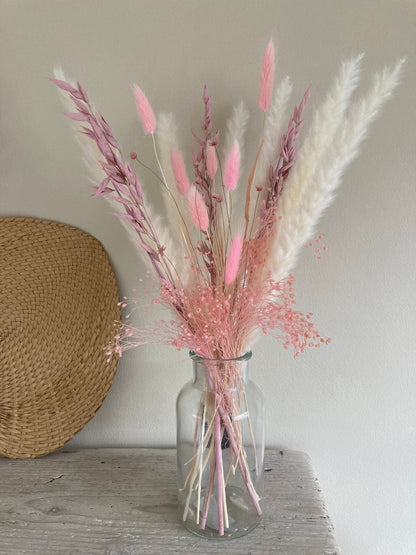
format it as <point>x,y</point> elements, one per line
<point>225,275</point>
<point>218,427</point>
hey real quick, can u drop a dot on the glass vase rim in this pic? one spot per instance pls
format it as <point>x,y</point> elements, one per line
<point>243,358</point>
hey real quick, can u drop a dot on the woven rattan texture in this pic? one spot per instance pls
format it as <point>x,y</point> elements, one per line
<point>58,304</point>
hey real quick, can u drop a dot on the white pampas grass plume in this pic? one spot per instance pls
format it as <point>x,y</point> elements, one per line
<point>298,220</point>
<point>273,130</point>
<point>366,110</point>
<point>325,125</point>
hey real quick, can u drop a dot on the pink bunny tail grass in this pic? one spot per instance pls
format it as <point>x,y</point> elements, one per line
<point>179,171</point>
<point>198,209</point>
<point>212,160</point>
<point>267,77</point>
<point>232,167</point>
<point>145,111</point>
<point>233,260</point>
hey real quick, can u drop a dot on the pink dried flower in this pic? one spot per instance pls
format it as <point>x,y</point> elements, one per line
<point>199,159</point>
<point>279,173</point>
<point>267,77</point>
<point>179,171</point>
<point>145,111</point>
<point>120,179</point>
<point>210,323</point>
<point>212,161</point>
<point>233,259</point>
<point>232,167</point>
<point>198,209</point>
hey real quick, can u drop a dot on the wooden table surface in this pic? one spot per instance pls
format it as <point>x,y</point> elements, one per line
<point>123,501</point>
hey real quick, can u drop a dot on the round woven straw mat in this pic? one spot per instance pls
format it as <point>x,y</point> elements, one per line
<point>58,304</point>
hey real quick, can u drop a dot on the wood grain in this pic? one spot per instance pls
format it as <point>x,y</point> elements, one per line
<point>123,501</point>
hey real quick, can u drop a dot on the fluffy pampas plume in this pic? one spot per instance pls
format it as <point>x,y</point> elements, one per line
<point>304,201</point>
<point>273,130</point>
<point>325,125</point>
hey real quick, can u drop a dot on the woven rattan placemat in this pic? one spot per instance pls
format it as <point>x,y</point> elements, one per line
<point>58,304</point>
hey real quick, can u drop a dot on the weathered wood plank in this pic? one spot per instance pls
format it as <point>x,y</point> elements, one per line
<point>123,501</point>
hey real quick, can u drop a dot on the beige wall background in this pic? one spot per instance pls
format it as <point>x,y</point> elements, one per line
<point>350,405</point>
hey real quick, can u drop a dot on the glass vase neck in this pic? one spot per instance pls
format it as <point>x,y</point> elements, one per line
<point>227,370</point>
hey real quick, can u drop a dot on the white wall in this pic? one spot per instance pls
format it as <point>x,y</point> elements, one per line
<point>350,405</point>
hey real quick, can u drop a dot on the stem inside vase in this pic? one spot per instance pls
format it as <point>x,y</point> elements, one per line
<point>220,448</point>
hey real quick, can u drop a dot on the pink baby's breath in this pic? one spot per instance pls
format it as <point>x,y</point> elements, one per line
<point>209,326</point>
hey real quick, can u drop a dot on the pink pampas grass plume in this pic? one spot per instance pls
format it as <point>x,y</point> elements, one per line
<point>179,171</point>
<point>233,259</point>
<point>232,167</point>
<point>145,111</point>
<point>212,161</point>
<point>198,209</point>
<point>267,77</point>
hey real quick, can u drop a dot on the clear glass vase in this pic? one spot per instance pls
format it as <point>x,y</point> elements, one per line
<point>220,449</point>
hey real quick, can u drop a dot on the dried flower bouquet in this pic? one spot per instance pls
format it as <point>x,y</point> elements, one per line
<point>224,273</point>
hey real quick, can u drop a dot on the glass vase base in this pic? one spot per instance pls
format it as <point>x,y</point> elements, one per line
<point>242,518</point>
